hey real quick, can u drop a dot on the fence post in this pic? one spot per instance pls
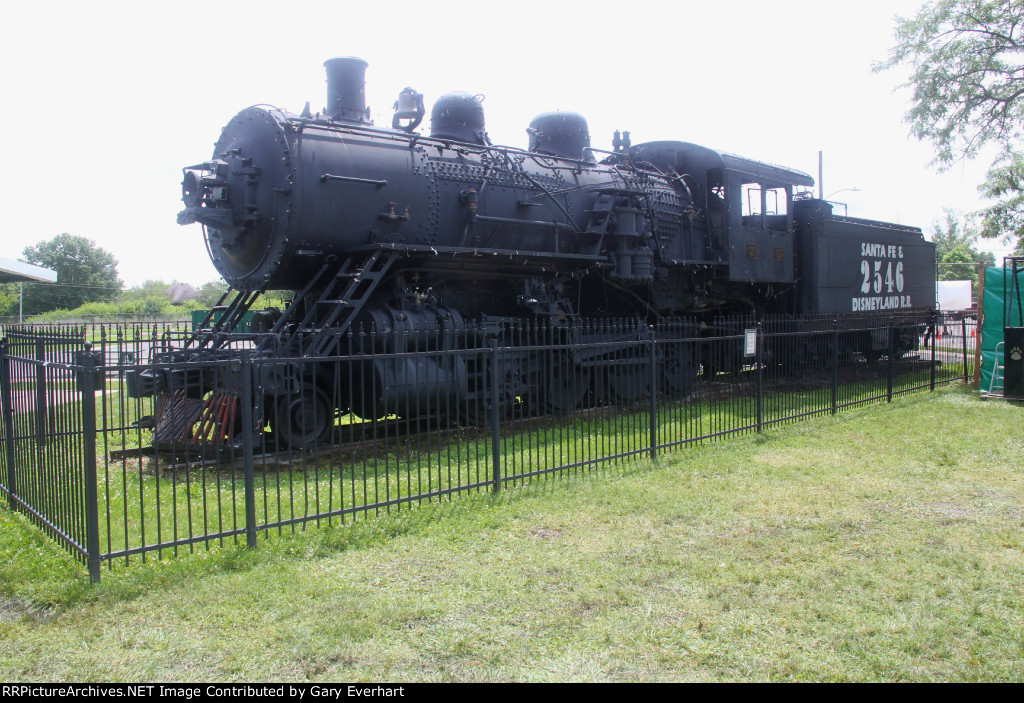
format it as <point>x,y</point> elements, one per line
<point>963,336</point>
<point>8,415</point>
<point>88,372</point>
<point>652,364</point>
<point>247,450</point>
<point>495,419</point>
<point>40,408</point>
<point>931,384</point>
<point>760,377</point>
<point>892,360</point>
<point>835,366</point>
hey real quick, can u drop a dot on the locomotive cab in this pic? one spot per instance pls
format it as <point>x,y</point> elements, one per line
<point>746,207</point>
<point>759,223</point>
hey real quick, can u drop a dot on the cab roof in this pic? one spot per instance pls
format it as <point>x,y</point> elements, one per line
<point>693,158</point>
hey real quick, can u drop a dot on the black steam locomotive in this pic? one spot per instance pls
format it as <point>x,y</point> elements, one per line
<point>396,230</point>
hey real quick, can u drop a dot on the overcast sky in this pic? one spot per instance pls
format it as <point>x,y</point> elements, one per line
<point>105,102</point>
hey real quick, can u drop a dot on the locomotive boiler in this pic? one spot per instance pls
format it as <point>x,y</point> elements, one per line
<point>396,229</point>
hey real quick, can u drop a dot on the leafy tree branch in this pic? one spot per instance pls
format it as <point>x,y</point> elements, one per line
<point>967,81</point>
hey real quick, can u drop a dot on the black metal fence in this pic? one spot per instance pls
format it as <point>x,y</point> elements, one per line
<point>238,444</point>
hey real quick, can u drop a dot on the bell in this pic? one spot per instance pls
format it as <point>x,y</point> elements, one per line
<point>406,106</point>
<point>409,106</point>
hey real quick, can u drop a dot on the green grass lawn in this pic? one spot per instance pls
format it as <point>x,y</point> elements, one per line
<point>884,543</point>
<point>143,503</point>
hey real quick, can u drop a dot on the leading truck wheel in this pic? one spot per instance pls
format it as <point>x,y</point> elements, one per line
<point>303,420</point>
<point>567,384</point>
<point>678,371</point>
<point>627,382</point>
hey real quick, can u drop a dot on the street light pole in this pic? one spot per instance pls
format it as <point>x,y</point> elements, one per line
<point>842,190</point>
<point>821,178</point>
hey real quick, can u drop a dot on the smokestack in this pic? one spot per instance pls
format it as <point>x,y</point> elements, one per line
<point>346,89</point>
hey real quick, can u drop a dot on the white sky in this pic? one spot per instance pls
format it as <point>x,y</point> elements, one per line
<point>105,102</point>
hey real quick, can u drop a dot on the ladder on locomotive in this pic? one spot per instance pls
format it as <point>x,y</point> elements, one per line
<point>222,320</point>
<point>331,314</point>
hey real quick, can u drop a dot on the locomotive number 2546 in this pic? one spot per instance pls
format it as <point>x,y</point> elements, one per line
<point>873,279</point>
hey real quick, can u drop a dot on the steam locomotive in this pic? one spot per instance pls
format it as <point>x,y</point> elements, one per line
<point>396,230</point>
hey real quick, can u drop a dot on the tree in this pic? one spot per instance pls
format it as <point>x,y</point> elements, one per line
<point>85,273</point>
<point>148,289</point>
<point>967,76</point>
<point>955,249</point>
<point>210,293</point>
<point>1005,186</point>
<point>8,299</point>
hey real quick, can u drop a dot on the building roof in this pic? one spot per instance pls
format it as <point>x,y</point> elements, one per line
<point>12,271</point>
